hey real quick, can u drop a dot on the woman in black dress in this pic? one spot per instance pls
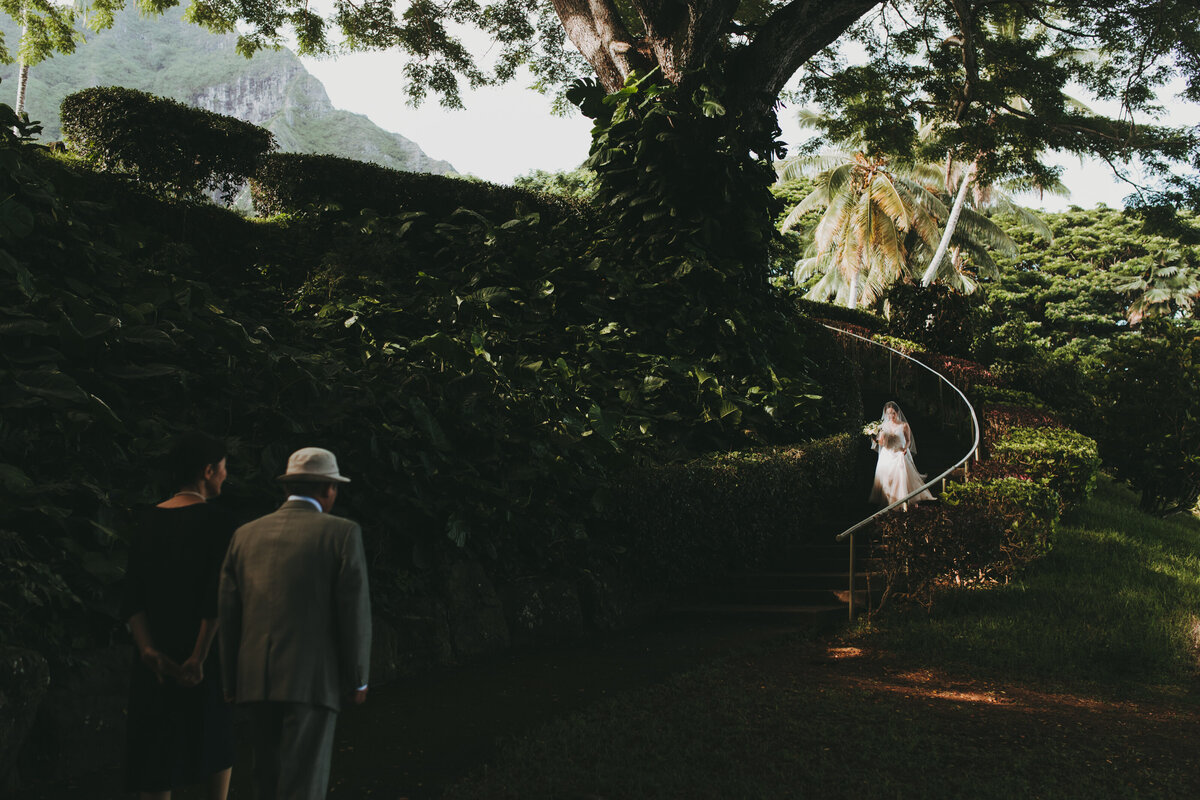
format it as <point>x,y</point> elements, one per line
<point>180,729</point>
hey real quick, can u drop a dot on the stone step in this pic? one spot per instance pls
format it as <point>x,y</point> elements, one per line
<point>822,616</point>
<point>834,579</point>
<point>790,597</point>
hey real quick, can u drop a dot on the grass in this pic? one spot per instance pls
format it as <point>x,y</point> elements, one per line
<point>1077,682</point>
<point>1114,605</point>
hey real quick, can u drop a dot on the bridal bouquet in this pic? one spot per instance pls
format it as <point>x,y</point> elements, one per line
<point>872,429</point>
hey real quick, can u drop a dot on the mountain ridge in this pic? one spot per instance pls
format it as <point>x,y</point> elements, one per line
<point>168,57</point>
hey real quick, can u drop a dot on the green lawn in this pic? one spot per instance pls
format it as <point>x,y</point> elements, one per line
<point>1078,682</point>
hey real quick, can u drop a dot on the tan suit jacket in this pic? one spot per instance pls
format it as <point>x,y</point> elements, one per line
<point>294,608</point>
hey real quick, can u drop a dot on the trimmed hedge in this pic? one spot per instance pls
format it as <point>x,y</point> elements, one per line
<point>293,182</point>
<point>829,311</point>
<point>690,522</point>
<point>999,420</point>
<point>998,395</point>
<point>173,149</point>
<point>906,346</point>
<point>983,531</point>
<point>1059,458</point>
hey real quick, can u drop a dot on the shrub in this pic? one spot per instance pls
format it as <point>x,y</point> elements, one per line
<point>1033,511</point>
<point>981,532</point>
<point>939,318</point>
<point>830,311</point>
<point>906,346</point>
<point>292,182</point>
<point>693,521</point>
<point>170,148</point>
<point>966,375</point>
<point>1059,458</point>
<point>998,420</point>
<point>998,395</point>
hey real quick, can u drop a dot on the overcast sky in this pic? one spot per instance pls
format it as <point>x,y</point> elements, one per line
<point>507,131</point>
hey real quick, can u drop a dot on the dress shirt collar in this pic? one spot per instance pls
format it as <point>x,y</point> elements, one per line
<point>316,505</point>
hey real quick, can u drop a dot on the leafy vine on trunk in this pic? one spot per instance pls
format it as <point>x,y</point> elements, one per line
<point>683,177</point>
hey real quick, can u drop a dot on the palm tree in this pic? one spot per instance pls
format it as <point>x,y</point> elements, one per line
<point>880,218</point>
<point>1013,26</point>
<point>1168,288</point>
<point>860,245</point>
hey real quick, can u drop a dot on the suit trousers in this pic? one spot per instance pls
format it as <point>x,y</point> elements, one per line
<point>293,747</point>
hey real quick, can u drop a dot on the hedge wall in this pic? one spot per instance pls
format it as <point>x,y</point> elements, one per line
<point>171,148</point>
<point>1059,458</point>
<point>690,522</point>
<point>981,531</point>
<point>292,182</point>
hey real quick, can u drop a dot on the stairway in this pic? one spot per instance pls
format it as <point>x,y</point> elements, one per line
<point>810,586</point>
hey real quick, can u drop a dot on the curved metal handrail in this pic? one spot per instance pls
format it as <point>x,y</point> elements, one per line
<point>974,428</point>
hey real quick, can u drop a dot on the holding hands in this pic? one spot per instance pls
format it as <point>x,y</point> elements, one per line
<point>188,674</point>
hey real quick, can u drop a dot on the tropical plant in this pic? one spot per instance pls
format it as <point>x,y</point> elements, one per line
<point>881,218</point>
<point>1168,286</point>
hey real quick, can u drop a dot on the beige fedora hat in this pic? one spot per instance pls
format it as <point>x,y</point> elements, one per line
<point>313,464</point>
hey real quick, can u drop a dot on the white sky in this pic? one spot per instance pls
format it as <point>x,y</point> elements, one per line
<point>507,131</point>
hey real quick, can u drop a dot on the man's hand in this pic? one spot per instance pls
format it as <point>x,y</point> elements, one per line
<point>360,697</point>
<point>191,672</point>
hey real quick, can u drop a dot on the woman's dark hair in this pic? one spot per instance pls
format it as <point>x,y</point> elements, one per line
<point>189,455</point>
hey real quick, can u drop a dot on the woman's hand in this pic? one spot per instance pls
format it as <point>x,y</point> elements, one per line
<point>159,664</point>
<point>191,672</point>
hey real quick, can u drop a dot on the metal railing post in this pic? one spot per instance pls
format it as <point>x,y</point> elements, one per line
<point>851,599</point>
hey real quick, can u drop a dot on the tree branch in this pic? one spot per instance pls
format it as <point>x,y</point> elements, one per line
<point>597,30</point>
<point>790,37</point>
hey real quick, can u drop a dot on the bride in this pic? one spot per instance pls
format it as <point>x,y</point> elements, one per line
<point>895,473</point>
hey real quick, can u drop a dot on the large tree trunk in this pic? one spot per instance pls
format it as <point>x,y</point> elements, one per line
<point>683,35</point>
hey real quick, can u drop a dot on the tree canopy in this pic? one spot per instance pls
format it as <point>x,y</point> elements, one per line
<point>954,63</point>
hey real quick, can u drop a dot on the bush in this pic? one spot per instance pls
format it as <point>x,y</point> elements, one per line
<point>998,395</point>
<point>998,420</point>
<point>905,346</point>
<point>829,311</point>
<point>170,148</point>
<point>981,532</point>
<point>1066,461</point>
<point>293,182</point>
<point>694,521</point>
<point>939,318</point>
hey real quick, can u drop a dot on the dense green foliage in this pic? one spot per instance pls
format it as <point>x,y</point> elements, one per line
<point>292,182</point>
<point>1149,389</point>
<point>483,376</point>
<point>982,531</point>
<point>665,160</point>
<point>1004,396</point>
<point>941,319</point>
<point>700,519</point>
<point>998,420</point>
<point>834,313</point>
<point>577,184</point>
<point>170,148</point>
<point>1062,459</point>
<point>1097,325</point>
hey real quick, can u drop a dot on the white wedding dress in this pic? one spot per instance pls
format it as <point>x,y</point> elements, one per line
<point>895,473</point>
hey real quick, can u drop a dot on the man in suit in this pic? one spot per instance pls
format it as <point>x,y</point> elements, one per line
<point>295,628</point>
